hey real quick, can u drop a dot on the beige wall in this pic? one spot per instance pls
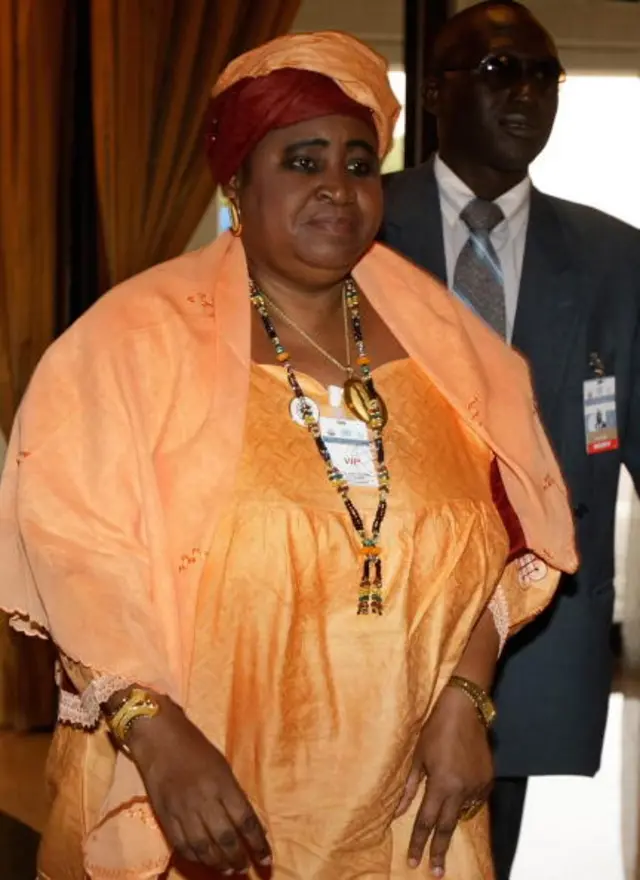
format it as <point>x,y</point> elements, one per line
<point>591,34</point>
<point>602,34</point>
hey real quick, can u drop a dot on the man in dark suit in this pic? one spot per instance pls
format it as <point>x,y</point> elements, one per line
<point>561,282</point>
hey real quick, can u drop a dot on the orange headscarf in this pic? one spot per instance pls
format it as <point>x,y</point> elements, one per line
<point>243,115</point>
<point>290,80</point>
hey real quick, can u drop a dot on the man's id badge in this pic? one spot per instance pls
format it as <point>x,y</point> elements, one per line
<point>600,421</point>
<point>348,444</point>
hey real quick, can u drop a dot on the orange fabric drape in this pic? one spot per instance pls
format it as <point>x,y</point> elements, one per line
<point>33,83</point>
<point>154,65</point>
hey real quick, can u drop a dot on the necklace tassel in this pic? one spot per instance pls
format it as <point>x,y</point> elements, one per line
<point>370,595</point>
<point>364,598</point>
<point>376,593</point>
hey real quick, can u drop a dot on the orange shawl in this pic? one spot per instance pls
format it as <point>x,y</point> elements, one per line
<point>125,446</point>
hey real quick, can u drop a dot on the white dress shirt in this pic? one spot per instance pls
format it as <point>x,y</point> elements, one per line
<point>508,237</point>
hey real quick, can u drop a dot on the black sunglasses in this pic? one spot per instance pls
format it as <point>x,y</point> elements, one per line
<point>506,71</point>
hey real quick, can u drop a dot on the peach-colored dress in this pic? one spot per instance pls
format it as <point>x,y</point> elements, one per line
<point>316,708</point>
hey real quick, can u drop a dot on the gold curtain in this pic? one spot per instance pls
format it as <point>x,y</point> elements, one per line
<point>33,93</point>
<point>32,99</point>
<point>154,64</point>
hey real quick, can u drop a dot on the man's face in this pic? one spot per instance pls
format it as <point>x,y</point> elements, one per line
<point>498,113</point>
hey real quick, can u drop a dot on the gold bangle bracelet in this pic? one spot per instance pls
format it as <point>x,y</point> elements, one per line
<point>480,698</point>
<point>139,704</point>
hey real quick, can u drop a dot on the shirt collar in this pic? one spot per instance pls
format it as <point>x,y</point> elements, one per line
<point>455,195</point>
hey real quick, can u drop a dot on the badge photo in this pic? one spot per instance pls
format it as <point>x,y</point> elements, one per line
<point>600,417</point>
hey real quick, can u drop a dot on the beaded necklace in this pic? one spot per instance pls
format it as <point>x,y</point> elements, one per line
<point>346,368</point>
<point>370,592</point>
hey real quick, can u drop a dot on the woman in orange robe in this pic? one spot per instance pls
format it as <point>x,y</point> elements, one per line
<point>257,671</point>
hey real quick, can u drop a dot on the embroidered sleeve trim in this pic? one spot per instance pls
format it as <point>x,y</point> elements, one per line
<point>84,710</point>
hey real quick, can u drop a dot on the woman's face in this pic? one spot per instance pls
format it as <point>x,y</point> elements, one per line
<point>310,199</point>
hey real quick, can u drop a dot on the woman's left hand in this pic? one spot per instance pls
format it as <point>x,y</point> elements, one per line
<point>454,755</point>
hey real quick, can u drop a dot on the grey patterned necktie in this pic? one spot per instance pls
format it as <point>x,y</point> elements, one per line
<point>478,278</point>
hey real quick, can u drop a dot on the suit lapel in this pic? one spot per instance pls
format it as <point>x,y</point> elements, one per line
<point>548,315</point>
<point>417,223</point>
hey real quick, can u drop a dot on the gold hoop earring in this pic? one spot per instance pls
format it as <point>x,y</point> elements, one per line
<point>236,222</point>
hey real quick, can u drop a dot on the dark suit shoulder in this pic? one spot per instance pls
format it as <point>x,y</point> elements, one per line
<point>399,182</point>
<point>401,188</point>
<point>595,227</point>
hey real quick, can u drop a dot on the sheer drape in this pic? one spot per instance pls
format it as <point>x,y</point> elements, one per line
<point>33,94</point>
<point>153,68</point>
<point>33,90</point>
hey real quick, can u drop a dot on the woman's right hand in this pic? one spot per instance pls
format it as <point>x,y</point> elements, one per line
<point>202,810</point>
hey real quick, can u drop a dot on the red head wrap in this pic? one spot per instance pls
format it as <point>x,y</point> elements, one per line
<point>241,116</point>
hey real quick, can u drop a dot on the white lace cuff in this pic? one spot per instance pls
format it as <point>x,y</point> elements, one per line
<point>84,710</point>
<point>499,608</point>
